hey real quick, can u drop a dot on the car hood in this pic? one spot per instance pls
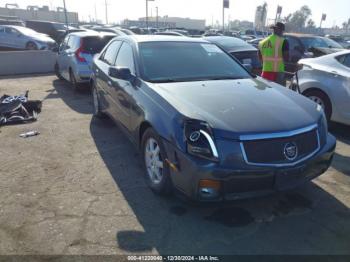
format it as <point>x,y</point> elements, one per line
<point>42,38</point>
<point>236,107</point>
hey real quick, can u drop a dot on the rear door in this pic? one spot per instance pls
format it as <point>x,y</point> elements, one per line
<point>103,82</point>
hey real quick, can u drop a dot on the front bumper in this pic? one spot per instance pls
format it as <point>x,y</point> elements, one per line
<point>243,180</point>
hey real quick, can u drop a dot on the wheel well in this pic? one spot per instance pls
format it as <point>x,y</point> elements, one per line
<point>321,91</point>
<point>144,126</point>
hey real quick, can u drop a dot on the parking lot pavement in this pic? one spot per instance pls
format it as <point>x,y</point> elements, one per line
<point>78,188</point>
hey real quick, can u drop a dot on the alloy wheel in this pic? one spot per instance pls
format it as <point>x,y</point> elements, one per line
<point>318,101</point>
<point>153,161</point>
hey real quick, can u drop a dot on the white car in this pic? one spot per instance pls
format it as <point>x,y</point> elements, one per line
<point>19,37</point>
<point>326,80</point>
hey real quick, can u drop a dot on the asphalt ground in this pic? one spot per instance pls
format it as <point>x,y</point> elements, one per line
<point>79,188</point>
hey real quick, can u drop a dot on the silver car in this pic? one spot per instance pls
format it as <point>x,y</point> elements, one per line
<point>76,53</point>
<point>19,37</point>
<point>326,80</point>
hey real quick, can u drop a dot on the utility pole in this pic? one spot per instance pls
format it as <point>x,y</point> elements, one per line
<point>95,14</point>
<point>147,13</point>
<point>223,19</point>
<point>65,12</point>
<point>157,17</point>
<point>106,6</point>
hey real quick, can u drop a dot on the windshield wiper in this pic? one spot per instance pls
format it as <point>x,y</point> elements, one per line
<point>168,80</point>
<point>226,78</point>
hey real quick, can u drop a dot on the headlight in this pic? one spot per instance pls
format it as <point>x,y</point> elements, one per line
<point>199,140</point>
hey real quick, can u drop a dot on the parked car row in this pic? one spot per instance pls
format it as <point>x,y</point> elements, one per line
<point>19,37</point>
<point>76,53</point>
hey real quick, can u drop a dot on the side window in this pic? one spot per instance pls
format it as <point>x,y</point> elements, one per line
<point>126,58</point>
<point>345,60</point>
<point>111,52</point>
<point>2,30</point>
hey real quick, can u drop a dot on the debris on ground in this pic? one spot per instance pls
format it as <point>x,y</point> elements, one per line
<point>29,134</point>
<point>18,109</point>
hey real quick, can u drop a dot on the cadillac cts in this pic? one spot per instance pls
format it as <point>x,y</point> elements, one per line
<point>204,125</point>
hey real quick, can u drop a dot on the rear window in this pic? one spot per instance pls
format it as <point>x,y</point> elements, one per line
<point>94,45</point>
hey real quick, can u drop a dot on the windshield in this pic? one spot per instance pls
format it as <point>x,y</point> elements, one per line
<point>182,61</point>
<point>310,42</point>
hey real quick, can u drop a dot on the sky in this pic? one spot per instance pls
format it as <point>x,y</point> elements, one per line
<point>337,10</point>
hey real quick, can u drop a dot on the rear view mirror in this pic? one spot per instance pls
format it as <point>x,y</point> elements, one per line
<point>123,73</point>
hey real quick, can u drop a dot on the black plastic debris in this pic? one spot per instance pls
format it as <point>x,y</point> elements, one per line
<point>18,109</point>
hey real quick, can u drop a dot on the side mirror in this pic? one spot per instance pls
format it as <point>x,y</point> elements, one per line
<point>55,49</point>
<point>19,35</point>
<point>123,73</point>
<point>249,67</point>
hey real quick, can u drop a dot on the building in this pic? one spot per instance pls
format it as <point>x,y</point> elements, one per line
<point>40,13</point>
<point>169,22</point>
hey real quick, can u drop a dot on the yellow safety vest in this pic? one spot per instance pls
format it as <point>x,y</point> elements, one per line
<point>271,51</point>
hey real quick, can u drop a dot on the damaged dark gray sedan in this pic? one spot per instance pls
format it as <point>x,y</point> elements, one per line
<point>205,126</point>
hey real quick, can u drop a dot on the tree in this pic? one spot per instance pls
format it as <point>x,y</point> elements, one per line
<point>298,19</point>
<point>311,24</point>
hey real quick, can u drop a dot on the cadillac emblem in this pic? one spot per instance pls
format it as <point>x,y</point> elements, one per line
<point>291,151</point>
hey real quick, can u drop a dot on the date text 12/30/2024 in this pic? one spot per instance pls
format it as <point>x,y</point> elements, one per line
<point>173,258</point>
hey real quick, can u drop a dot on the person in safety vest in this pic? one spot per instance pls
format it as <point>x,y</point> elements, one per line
<point>274,52</point>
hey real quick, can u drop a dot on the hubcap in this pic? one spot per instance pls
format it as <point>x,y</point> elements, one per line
<point>318,101</point>
<point>94,95</point>
<point>153,160</point>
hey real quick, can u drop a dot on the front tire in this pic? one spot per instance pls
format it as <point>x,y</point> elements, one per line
<point>154,156</point>
<point>321,99</point>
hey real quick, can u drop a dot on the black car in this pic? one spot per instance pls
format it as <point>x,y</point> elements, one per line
<point>244,52</point>
<point>205,126</point>
<point>308,46</point>
<point>56,31</point>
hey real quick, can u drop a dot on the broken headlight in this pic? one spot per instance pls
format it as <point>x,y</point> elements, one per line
<point>199,140</point>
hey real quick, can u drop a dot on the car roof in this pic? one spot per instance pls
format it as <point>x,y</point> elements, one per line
<point>302,35</point>
<point>231,44</point>
<point>44,22</point>
<point>161,38</point>
<point>91,33</point>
